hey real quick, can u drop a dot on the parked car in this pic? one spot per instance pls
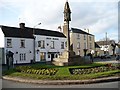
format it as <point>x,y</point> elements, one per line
<point>105,56</point>
<point>117,57</point>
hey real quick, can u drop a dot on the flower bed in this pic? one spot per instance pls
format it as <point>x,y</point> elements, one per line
<point>79,71</point>
<point>41,71</point>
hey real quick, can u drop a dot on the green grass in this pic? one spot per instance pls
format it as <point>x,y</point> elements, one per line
<point>66,77</point>
<point>63,73</point>
<point>78,66</point>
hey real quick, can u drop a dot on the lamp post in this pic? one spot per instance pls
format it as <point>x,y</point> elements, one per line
<point>34,41</point>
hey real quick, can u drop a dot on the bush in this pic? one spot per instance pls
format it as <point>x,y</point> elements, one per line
<point>29,70</point>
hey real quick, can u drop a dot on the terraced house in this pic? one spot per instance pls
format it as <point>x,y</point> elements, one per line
<point>28,44</point>
<point>41,45</point>
<point>82,42</point>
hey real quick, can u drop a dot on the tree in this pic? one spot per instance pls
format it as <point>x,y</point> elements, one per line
<point>113,48</point>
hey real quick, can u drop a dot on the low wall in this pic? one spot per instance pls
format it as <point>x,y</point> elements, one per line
<point>78,60</point>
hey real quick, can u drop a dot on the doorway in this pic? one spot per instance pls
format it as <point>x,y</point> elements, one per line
<point>52,56</point>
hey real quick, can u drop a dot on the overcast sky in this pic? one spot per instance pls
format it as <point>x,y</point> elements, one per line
<point>99,16</point>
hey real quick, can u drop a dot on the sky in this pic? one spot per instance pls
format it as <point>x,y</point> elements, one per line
<point>99,16</point>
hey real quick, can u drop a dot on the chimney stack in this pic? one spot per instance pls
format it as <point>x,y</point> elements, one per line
<point>22,25</point>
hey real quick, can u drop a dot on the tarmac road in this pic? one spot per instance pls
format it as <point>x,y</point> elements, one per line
<point>12,84</point>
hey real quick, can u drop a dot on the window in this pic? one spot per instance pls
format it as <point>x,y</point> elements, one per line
<point>79,52</point>
<point>22,56</point>
<point>85,46</point>
<point>48,55</point>
<point>41,44</point>
<point>23,43</point>
<point>66,44</point>
<point>9,43</point>
<point>52,45</point>
<point>84,37</point>
<point>78,36</point>
<point>56,55</point>
<point>78,45</point>
<point>42,56</point>
<point>90,38</point>
<point>62,45</point>
<point>90,45</point>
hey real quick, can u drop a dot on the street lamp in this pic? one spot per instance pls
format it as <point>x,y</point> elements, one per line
<point>34,40</point>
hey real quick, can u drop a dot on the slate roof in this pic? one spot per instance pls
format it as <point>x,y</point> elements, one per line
<point>16,32</point>
<point>105,42</point>
<point>75,30</point>
<point>49,33</point>
<point>28,32</point>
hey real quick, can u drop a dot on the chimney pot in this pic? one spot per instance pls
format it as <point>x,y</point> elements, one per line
<point>22,25</point>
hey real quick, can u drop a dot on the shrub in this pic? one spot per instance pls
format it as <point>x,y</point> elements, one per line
<point>79,71</point>
<point>29,70</point>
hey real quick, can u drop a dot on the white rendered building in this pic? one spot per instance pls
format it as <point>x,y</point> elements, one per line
<point>20,41</point>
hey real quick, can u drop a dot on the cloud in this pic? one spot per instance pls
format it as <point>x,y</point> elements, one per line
<point>99,16</point>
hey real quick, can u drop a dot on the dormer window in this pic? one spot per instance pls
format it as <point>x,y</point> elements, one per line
<point>22,43</point>
<point>9,43</point>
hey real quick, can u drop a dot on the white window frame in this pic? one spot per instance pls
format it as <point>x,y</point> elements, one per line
<point>41,44</point>
<point>52,45</point>
<point>85,46</point>
<point>9,43</point>
<point>78,45</point>
<point>84,37</point>
<point>22,56</point>
<point>22,43</point>
<point>90,38</point>
<point>90,45</point>
<point>62,45</point>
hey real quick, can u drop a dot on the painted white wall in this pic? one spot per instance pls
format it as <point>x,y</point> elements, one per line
<point>16,48</point>
<point>57,44</point>
<point>109,49</point>
<point>1,39</point>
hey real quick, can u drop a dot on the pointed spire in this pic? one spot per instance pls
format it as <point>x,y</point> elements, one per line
<point>67,12</point>
<point>67,8</point>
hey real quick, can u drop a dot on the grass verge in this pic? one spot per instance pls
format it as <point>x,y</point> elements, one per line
<point>66,77</point>
<point>63,73</point>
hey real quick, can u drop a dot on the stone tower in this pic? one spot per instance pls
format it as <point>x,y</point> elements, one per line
<point>67,18</point>
<point>68,57</point>
<point>65,58</point>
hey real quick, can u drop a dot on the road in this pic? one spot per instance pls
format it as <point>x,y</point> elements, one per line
<point>12,84</point>
<point>112,60</point>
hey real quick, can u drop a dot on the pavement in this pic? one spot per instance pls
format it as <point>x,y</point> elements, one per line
<point>62,82</point>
